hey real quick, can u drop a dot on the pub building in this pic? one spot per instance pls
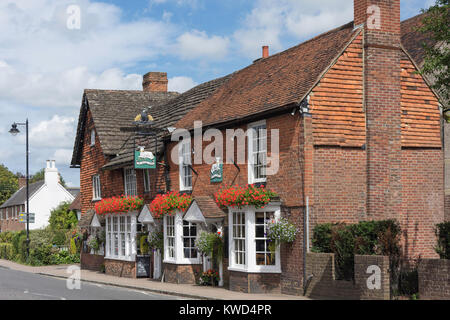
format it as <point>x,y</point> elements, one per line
<point>315,149</point>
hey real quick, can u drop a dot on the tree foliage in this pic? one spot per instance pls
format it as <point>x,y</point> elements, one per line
<point>437,60</point>
<point>61,218</point>
<point>8,184</point>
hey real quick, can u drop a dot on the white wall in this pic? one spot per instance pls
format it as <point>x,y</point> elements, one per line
<point>48,197</point>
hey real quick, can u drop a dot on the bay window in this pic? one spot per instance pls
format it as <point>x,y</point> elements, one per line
<point>179,240</point>
<point>250,250</point>
<point>120,235</point>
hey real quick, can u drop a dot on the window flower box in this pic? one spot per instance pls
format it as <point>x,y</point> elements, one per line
<point>119,205</point>
<point>238,197</point>
<point>168,203</point>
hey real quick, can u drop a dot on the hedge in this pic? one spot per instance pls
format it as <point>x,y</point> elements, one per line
<point>363,238</point>
<point>443,240</point>
<point>6,251</point>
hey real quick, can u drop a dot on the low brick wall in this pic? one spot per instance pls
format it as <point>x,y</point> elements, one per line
<point>92,262</point>
<point>118,268</point>
<point>254,282</point>
<point>182,274</point>
<point>320,270</point>
<point>434,279</point>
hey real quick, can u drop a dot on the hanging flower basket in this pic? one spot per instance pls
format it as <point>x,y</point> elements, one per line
<point>119,205</point>
<point>244,196</point>
<point>281,230</point>
<point>168,203</point>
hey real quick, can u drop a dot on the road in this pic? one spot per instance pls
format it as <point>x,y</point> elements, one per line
<point>18,285</point>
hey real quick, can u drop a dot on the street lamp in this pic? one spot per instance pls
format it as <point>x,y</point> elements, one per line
<point>15,131</point>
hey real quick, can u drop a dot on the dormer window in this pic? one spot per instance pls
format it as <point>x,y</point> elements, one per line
<point>92,137</point>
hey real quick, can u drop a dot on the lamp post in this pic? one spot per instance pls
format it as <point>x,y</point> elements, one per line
<point>14,131</point>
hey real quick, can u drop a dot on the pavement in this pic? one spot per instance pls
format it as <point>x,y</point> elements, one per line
<point>157,287</point>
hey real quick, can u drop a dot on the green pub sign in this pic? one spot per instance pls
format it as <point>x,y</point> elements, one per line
<point>217,171</point>
<point>144,159</point>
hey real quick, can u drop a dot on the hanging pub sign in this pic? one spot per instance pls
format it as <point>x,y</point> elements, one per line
<point>144,159</point>
<point>217,171</point>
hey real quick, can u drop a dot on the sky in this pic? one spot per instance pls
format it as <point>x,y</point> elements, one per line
<point>47,58</point>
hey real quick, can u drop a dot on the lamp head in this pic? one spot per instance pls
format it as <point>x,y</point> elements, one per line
<point>14,131</point>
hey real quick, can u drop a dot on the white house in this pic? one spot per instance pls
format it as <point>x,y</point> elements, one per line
<point>44,196</point>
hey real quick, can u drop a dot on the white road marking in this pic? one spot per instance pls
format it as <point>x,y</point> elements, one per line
<point>43,295</point>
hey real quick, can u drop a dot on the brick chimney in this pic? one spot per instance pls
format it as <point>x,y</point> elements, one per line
<point>22,182</point>
<point>265,52</point>
<point>381,21</point>
<point>155,82</point>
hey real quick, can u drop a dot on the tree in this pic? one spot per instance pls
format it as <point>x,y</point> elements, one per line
<point>8,184</point>
<point>62,218</point>
<point>40,175</point>
<point>437,60</point>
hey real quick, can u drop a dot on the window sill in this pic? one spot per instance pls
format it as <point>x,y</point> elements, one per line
<point>274,269</point>
<point>128,259</point>
<point>96,200</point>
<point>183,262</point>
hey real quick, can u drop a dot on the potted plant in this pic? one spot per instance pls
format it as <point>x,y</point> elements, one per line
<point>209,278</point>
<point>280,231</point>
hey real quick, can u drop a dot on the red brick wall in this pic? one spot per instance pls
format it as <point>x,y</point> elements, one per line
<point>92,262</point>
<point>423,200</point>
<point>434,279</point>
<point>287,183</point>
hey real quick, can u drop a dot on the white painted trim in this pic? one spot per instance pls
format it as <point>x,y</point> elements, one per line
<point>180,164</point>
<point>130,247</point>
<point>179,250</point>
<point>250,245</point>
<point>250,132</point>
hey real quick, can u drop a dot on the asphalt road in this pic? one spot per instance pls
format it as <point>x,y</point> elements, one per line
<point>18,285</point>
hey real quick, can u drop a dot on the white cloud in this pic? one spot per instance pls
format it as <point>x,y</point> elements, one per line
<point>62,156</point>
<point>181,84</point>
<point>197,44</point>
<point>272,20</point>
<point>58,132</point>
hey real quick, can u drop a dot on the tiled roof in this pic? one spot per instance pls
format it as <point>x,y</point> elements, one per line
<point>166,115</point>
<point>413,40</point>
<point>86,218</point>
<point>76,204</point>
<point>20,197</point>
<point>209,207</point>
<point>74,191</point>
<point>111,110</point>
<point>278,81</point>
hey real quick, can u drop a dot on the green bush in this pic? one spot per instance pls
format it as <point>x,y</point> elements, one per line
<point>443,241</point>
<point>364,238</point>
<point>6,251</point>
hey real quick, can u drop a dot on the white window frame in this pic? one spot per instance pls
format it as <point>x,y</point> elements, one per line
<point>92,142</point>
<point>250,265</point>
<point>250,135</point>
<point>125,237</point>
<point>182,157</point>
<point>130,181</point>
<point>96,188</point>
<point>146,174</point>
<point>178,246</point>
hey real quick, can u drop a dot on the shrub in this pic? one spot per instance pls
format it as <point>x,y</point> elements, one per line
<point>211,244</point>
<point>443,241</point>
<point>364,238</point>
<point>156,240</point>
<point>6,251</point>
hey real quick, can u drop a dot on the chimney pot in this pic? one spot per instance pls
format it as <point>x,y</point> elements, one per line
<point>155,82</point>
<point>265,50</point>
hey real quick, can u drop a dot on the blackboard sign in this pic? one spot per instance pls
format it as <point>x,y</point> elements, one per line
<point>143,267</point>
